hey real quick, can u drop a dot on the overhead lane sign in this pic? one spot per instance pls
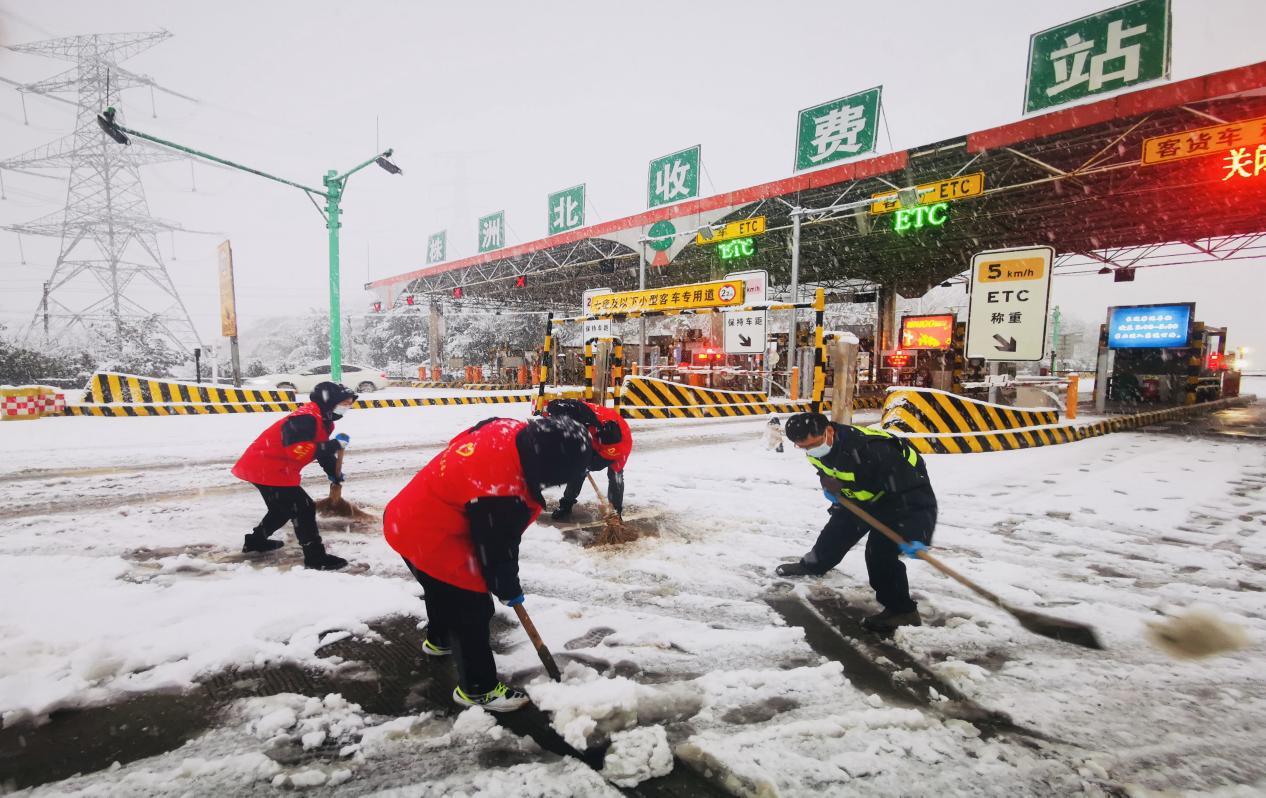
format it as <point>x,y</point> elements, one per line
<point>953,188</point>
<point>740,229</point>
<point>1010,298</point>
<point>1210,140</point>
<point>719,294</point>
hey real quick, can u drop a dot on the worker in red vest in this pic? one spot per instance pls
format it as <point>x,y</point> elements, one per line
<point>273,462</point>
<point>611,442</point>
<point>458,524</point>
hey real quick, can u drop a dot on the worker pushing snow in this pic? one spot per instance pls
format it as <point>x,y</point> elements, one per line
<point>611,442</point>
<point>273,462</point>
<point>458,525</point>
<point>883,474</point>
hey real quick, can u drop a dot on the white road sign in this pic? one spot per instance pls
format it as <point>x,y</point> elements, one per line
<point>1010,295</point>
<point>745,332</point>
<point>597,328</point>
<point>757,285</point>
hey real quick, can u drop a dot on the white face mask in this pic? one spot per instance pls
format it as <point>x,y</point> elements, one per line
<point>337,412</point>
<point>821,450</point>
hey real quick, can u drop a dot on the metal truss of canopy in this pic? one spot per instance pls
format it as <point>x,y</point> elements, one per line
<point>1073,179</point>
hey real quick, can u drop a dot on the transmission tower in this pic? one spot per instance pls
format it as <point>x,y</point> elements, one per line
<point>109,270</point>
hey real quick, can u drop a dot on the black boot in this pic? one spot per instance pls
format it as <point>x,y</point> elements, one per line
<point>795,569</point>
<point>316,557</point>
<point>564,509</point>
<point>888,621</point>
<point>255,542</point>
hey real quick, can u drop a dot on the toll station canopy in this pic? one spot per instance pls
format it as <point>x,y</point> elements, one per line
<point>1177,164</point>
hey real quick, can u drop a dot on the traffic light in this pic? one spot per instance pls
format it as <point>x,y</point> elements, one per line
<point>377,307</point>
<point>408,300</point>
<point>520,281</point>
<point>458,293</point>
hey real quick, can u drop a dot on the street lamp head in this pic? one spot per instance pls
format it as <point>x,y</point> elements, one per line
<point>105,121</point>
<point>382,161</point>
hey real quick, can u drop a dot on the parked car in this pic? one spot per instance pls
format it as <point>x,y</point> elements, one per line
<point>362,379</point>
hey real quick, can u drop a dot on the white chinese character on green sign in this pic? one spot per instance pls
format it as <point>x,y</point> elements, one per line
<point>673,178</point>
<point>567,209</point>
<point>1113,49</point>
<point>492,233</point>
<point>838,129</point>
<point>436,247</point>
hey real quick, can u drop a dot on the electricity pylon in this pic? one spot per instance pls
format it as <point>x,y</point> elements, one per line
<point>109,270</point>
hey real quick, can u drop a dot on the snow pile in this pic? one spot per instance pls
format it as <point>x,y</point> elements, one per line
<point>586,709</point>
<point>564,778</point>
<point>304,720</point>
<point>637,755</point>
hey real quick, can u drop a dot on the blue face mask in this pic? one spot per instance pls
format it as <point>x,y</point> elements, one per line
<point>821,450</point>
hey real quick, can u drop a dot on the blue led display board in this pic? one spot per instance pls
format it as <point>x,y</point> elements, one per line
<point>1150,326</point>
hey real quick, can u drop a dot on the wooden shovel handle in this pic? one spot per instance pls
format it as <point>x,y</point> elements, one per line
<point>547,659</point>
<point>336,488</point>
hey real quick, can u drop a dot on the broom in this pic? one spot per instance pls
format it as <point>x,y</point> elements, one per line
<point>335,504</point>
<point>615,531</point>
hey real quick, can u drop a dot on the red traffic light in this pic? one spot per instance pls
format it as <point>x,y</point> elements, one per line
<point>377,307</point>
<point>520,281</point>
<point>408,300</point>
<point>458,293</point>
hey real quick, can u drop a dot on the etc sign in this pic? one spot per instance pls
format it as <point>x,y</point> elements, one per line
<point>920,217</point>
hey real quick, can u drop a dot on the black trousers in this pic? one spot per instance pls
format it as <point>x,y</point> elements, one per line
<point>459,618</point>
<point>615,484</point>
<point>883,559</point>
<point>287,504</point>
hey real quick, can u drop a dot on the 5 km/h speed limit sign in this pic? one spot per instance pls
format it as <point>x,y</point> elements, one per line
<point>1010,295</point>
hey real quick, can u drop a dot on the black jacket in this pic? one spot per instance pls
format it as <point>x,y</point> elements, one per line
<point>877,470</point>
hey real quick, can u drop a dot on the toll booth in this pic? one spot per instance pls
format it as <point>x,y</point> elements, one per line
<point>1159,355</point>
<point>930,351</point>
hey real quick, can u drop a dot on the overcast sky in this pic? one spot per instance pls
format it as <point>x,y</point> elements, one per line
<point>491,106</point>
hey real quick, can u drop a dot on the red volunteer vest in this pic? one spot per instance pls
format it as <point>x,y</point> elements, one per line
<point>426,522</point>
<point>267,462</point>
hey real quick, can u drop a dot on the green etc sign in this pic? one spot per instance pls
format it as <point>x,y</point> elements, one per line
<point>1114,49</point>
<point>837,130</point>
<point>920,217</point>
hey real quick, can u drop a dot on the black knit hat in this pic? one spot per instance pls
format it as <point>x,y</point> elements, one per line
<point>552,451</point>
<point>805,425</point>
<point>327,395</point>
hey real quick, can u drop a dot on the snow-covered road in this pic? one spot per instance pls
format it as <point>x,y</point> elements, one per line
<point>115,581</point>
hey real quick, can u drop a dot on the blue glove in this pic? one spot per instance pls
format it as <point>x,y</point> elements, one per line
<point>514,602</point>
<point>343,440</point>
<point>830,497</point>
<point>912,549</point>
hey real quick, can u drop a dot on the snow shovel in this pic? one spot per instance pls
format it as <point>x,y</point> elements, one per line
<point>335,504</point>
<point>615,531</point>
<point>547,659</point>
<point>1055,628</point>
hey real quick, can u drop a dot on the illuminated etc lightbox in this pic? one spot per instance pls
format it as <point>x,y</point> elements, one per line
<point>1150,326</point>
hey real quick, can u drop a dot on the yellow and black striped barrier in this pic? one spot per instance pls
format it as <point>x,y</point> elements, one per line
<point>220,408</point>
<point>1006,439</point>
<point>110,387</point>
<point>926,410</point>
<point>432,384</point>
<point>648,398</point>
<point>489,386</point>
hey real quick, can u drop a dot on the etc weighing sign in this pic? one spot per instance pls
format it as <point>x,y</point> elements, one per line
<point>1010,298</point>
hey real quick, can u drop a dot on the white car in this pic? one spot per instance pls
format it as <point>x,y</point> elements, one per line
<point>362,379</point>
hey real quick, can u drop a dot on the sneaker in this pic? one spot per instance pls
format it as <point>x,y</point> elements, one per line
<point>253,543</point>
<point>794,569</point>
<point>432,650</point>
<point>501,698</point>
<point>888,620</point>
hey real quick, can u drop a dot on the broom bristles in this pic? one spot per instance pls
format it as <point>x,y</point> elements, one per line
<point>1196,634</point>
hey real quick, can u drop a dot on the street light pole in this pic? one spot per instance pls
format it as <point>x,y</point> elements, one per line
<point>335,184</point>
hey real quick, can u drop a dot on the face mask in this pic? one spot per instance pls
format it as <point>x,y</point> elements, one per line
<point>337,412</point>
<point>821,450</point>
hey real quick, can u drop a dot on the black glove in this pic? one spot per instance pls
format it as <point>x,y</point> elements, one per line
<point>610,433</point>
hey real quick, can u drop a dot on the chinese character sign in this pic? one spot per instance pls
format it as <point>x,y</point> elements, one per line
<point>1246,137</point>
<point>437,247</point>
<point>927,332</point>
<point>837,130</point>
<point>1240,163</point>
<point>567,209</point>
<point>1114,49</point>
<point>673,178</point>
<point>1150,326</point>
<point>724,293</point>
<point>492,231</point>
